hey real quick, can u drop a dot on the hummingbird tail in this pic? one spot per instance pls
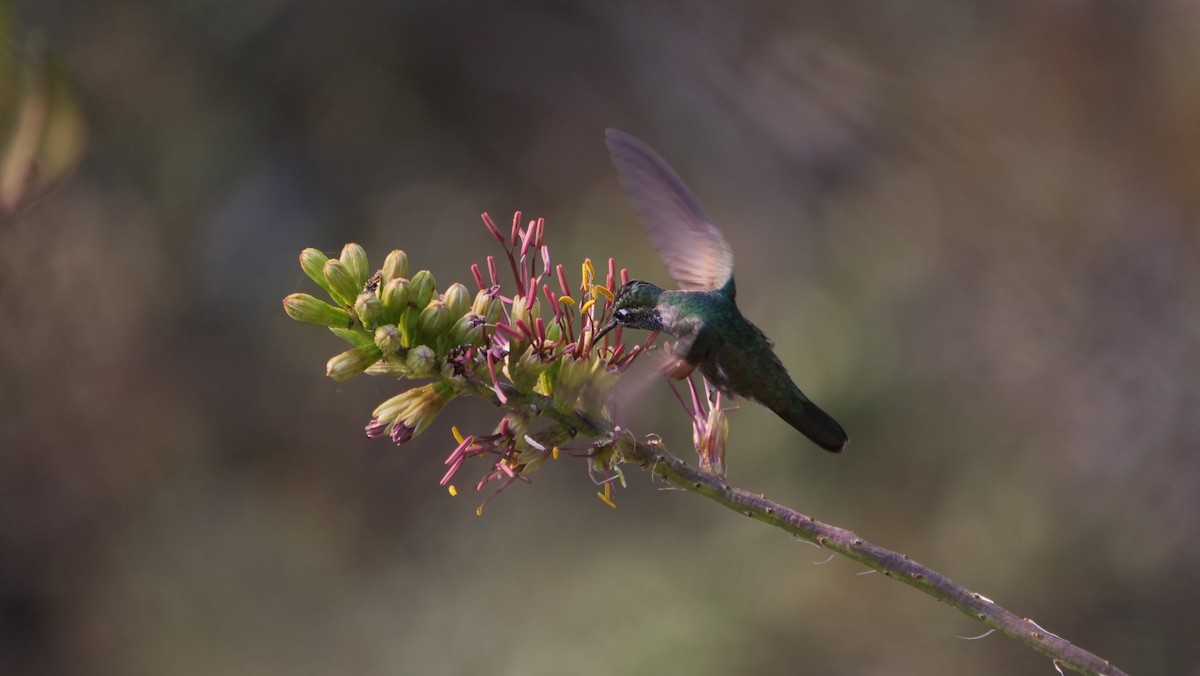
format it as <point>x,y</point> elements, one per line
<point>816,424</point>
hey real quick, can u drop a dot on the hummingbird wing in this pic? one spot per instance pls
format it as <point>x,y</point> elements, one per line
<point>693,249</point>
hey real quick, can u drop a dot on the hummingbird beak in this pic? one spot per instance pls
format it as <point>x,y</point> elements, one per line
<point>611,325</point>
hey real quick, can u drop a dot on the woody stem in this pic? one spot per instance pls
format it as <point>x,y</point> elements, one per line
<point>892,564</point>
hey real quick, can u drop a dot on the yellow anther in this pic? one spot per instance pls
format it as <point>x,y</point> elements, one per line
<point>602,291</point>
<point>588,272</point>
<point>459,438</point>
<point>606,496</point>
<point>453,490</point>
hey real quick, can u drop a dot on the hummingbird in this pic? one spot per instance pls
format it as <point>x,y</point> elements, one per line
<point>711,333</point>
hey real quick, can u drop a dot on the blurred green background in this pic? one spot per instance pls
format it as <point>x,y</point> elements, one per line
<point>970,228</point>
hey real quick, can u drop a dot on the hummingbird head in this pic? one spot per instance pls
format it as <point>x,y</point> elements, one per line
<point>635,306</point>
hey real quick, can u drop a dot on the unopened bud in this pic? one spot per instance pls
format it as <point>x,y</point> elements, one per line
<point>457,300</point>
<point>518,311</point>
<point>352,362</point>
<point>312,262</point>
<point>387,339</point>
<point>434,319</point>
<point>395,266</point>
<point>354,257</point>
<point>395,299</point>
<point>468,330</point>
<point>305,308</point>
<point>421,361</point>
<point>369,309</point>
<point>420,289</point>
<point>495,311</point>
<point>341,282</point>
<point>482,300</point>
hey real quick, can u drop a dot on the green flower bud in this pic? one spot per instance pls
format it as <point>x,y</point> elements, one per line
<point>524,309</point>
<point>352,362</point>
<point>395,266</point>
<point>435,319</point>
<point>369,309</point>
<point>387,339</point>
<point>312,262</point>
<point>305,308</point>
<point>457,300</point>
<point>495,311</point>
<point>554,332</point>
<point>468,330</point>
<point>420,289</point>
<point>341,283</point>
<point>394,295</point>
<point>355,259</point>
<point>480,305</point>
<point>518,311</point>
<point>421,361</point>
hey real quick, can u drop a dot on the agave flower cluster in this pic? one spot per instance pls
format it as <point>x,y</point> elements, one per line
<point>535,341</point>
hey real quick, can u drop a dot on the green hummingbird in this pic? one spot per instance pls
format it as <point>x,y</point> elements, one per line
<point>711,333</point>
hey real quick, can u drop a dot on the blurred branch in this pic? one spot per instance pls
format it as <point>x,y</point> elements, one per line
<point>42,134</point>
<point>892,564</point>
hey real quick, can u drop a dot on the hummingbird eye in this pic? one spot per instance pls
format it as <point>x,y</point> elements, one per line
<point>622,313</point>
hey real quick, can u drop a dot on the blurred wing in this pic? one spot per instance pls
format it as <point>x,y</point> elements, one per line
<point>693,249</point>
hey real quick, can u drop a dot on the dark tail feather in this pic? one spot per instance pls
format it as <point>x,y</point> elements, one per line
<point>815,424</point>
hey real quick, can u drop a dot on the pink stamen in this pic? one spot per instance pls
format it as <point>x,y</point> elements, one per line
<point>553,302</point>
<point>562,281</point>
<point>491,364</point>
<point>524,328</point>
<point>478,276</point>
<point>509,331</point>
<point>527,238</point>
<point>460,450</point>
<point>696,408</point>
<point>450,472</point>
<point>491,226</point>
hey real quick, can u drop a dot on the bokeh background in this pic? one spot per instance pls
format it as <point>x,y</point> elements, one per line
<point>970,227</point>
